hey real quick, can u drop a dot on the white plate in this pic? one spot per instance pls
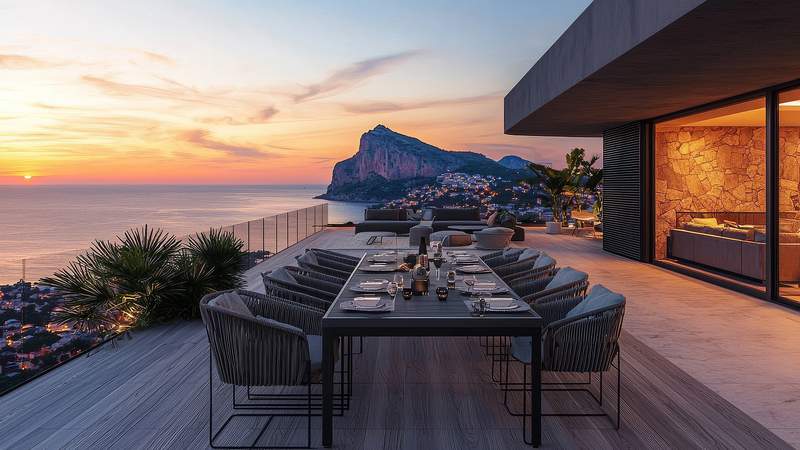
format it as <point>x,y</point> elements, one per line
<point>502,308</point>
<point>370,303</point>
<point>474,269</point>
<point>379,268</point>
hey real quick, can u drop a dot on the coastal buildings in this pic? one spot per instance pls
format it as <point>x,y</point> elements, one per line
<point>697,103</point>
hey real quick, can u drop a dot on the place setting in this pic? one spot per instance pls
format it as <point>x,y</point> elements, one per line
<point>472,286</point>
<point>378,267</point>
<point>370,286</point>
<point>473,269</point>
<point>487,304</point>
<point>368,304</point>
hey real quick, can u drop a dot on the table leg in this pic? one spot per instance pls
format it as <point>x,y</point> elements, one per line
<point>328,349</point>
<point>536,388</point>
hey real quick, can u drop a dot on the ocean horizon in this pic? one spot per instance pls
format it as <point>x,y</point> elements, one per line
<point>38,221</point>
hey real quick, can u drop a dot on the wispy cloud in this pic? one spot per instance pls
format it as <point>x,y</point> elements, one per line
<point>204,139</point>
<point>373,107</point>
<point>157,57</point>
<point>172,90</point>
<point>352,75</point>
<point>8,61</point>
<point>262,116</point>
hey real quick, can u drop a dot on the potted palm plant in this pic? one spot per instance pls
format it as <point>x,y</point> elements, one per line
<point>560,185</point>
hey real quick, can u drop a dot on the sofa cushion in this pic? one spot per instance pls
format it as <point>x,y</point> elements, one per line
<point>231,301</point>
<point>456,214</point>
<point>738,233</point>
<point>413,215</point>
<point>565,276</point>
<point>491,219</point>
<point>787,226</point>
<point>383,214</point>
<point>427,214</point>
<point>709,221</point>
<point>600,297</point>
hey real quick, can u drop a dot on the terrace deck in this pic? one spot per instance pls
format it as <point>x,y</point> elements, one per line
<point>702,367</point>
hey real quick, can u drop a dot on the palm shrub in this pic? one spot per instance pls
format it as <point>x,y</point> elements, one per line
<point>561,185</point>
<point>146,276</point>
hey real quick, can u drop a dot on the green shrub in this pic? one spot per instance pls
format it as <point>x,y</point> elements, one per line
<point>146,276</point>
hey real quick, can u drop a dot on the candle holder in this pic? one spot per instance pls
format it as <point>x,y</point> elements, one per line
<point>441,293</point>
<point>408,293</point>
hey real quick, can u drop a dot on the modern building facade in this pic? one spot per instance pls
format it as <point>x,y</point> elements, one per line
<point>698,105</point>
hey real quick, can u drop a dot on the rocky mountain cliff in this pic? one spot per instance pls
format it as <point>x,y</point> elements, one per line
<point>388,163</point>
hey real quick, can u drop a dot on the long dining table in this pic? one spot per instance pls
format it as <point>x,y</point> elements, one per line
<point>423,315</point>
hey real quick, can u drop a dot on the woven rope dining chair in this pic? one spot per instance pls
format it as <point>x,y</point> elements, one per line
<point>585,340</point>
<point>525,262</point>
<point>349,260</point>
<point>287,279</point>
<point>501,257</point>
<point>258,341</point>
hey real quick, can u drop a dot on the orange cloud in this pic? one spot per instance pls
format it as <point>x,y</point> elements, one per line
<point>203,139</point>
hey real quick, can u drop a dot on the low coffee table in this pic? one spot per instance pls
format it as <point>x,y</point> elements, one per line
<point>467,228</point>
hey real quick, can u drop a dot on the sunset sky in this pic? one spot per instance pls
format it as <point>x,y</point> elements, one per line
<point>242,92</point>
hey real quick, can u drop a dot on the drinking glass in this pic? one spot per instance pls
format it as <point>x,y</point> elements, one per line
<point>398,279</point>
<point>438,260</point>
<point>391,289</point>
<point>470,281</point>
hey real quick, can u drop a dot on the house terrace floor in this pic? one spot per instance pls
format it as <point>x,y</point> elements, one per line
<point>702,367</point>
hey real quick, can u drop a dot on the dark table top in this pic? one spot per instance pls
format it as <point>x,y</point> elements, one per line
<point>425,314</point>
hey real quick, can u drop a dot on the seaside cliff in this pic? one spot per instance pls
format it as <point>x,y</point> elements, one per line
<point>388,163</point>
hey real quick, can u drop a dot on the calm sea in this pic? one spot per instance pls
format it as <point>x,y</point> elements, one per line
<point>37,222</point>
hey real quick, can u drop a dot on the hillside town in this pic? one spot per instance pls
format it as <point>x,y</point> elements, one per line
<point>32,341</point>
<point>456,189</point>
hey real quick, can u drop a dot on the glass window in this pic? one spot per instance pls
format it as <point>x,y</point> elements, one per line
<point>789,194</point>
<point>710,191</point>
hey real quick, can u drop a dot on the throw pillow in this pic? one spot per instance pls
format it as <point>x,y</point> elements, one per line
<point>706,221</point>
<point>491,219</point>
<point>232,302</point>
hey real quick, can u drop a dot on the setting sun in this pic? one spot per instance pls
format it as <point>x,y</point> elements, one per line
<point>27,177</point>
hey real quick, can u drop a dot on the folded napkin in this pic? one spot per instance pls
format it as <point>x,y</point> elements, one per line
<point>485,285</point>
<point>372,283</point>
<point>500,301</point>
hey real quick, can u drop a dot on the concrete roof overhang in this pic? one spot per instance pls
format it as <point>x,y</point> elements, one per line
<point>629,60</point>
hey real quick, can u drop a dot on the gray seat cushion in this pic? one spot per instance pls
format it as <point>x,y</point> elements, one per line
<point>281,274</point>
<point>493,238</point>
<point>565,276</point>
<point>544,260</point>
<point>599,297</point>
<point>521,349</point>
<point>418,231</point>
<point>527,253</point>
<point>315,351</point>
<point>308,258</point>
<point>231,301</point>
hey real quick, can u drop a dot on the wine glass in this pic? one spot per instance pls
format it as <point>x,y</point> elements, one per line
<point>398,280</point>
<point>391,289</point>
<point>438,260</point>
<point>470,282</point>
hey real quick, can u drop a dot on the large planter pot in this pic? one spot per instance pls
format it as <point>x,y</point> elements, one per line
<point>553,227</point>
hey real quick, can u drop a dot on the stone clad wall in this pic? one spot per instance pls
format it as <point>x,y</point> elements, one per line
<point>707,169</point>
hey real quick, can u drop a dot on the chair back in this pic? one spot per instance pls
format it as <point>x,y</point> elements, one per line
<point>297,285</point>
<point>585,343</point>
<point>250,352</point>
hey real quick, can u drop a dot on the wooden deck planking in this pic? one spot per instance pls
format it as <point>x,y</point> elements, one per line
<point>409,393</point>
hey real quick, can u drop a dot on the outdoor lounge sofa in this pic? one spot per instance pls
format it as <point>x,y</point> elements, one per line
<point>397,221</point>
